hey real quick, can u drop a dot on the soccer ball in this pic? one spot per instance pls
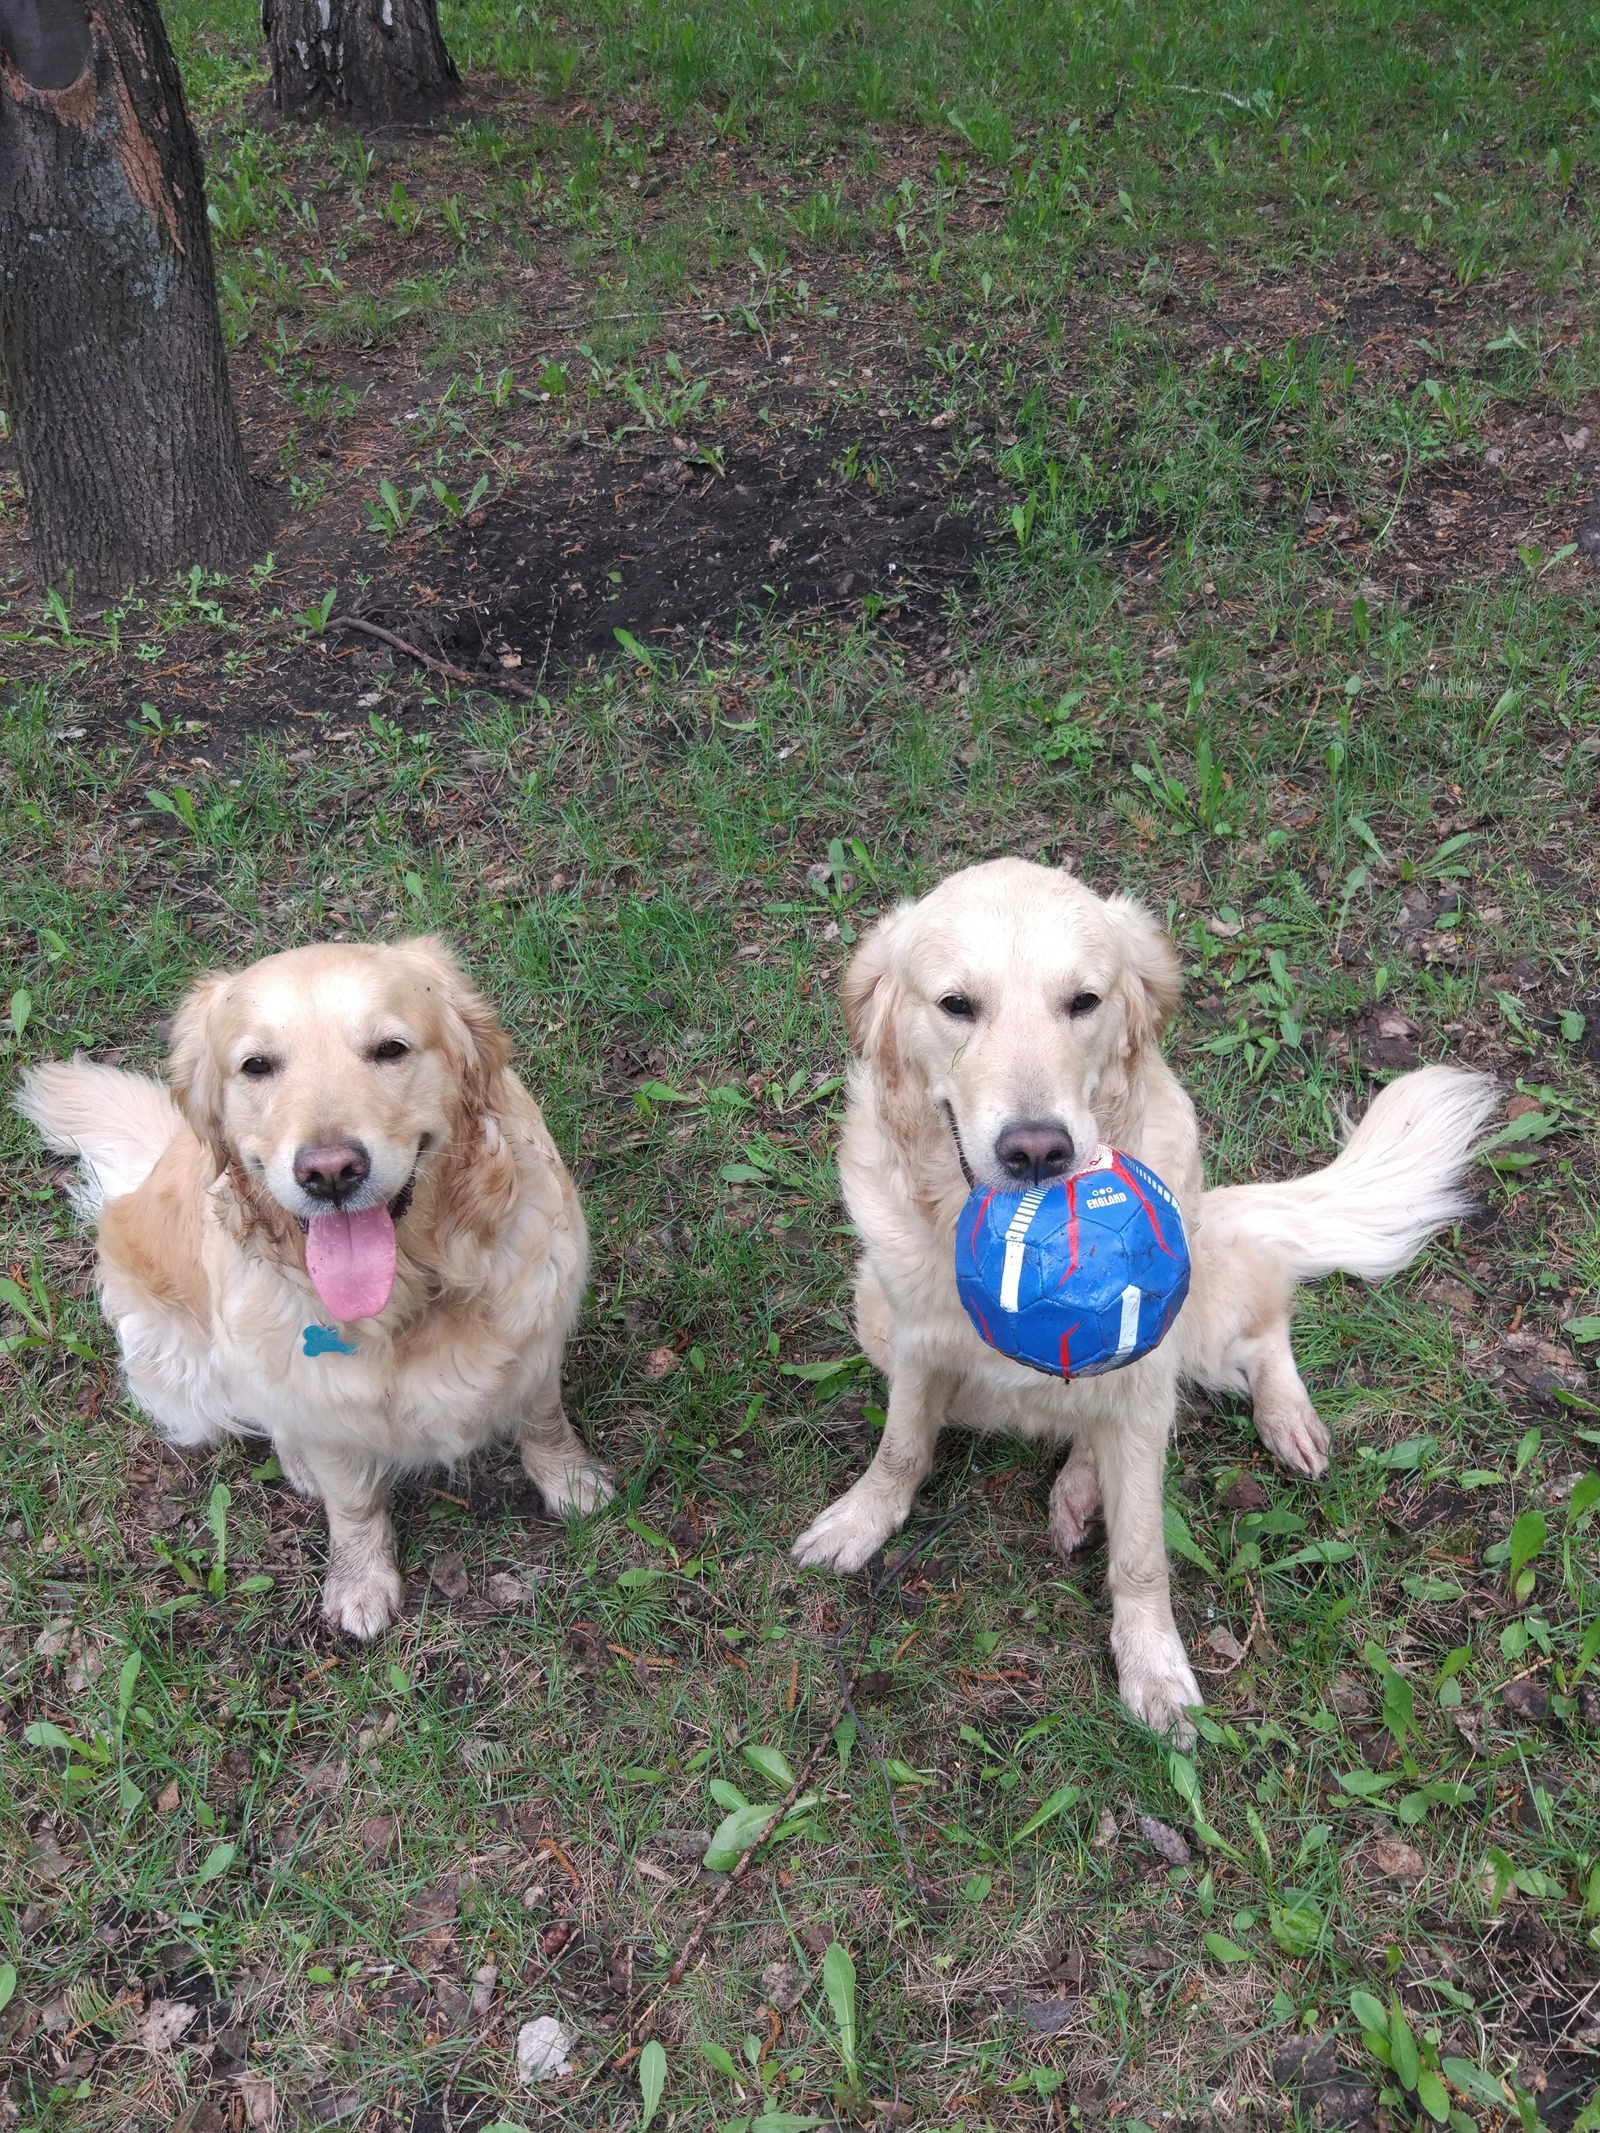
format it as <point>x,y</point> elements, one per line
<point>1076,1277</point>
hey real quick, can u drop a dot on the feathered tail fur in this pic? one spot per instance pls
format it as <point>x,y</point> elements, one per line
<point>1397,1180</point>
<point>118,1125</point>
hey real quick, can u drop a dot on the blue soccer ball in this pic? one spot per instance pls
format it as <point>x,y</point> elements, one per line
<point>1077,1277</point>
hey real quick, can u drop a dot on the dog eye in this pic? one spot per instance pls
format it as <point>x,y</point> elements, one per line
<point>958,1007</point>
<point>257,1067</point>
<point>391,1048</point>
<point>1083,1003</point>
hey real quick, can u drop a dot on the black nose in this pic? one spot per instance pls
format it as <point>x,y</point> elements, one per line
<point>1034,1150</point>
<point>331,1170</point>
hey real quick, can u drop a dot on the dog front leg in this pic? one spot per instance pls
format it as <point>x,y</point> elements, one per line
<point>363,1591</point>
<point>555,1458</point>
<point>1153,1672</point>
<point>1074,1501</point>
<point>851,1531</point>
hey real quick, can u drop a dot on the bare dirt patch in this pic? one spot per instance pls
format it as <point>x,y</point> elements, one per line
<point>673,549</point>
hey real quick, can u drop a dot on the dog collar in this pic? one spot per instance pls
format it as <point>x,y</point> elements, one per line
<point>961,1153</point>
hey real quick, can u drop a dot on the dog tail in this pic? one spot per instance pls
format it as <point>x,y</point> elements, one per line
<point>117,1125</point>
<point>1397,1180</point>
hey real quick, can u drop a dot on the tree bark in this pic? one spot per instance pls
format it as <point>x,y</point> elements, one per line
<point>377,62</point>
<point>116,374</point>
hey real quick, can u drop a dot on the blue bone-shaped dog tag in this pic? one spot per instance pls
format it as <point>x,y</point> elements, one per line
<point>322,1340</point>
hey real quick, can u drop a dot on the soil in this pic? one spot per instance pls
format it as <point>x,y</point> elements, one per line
<point>674,551</point>
<point>811,492</point>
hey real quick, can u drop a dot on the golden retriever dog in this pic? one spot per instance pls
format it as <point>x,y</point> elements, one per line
<point>1003,1028</point>
<point>344,1227</point>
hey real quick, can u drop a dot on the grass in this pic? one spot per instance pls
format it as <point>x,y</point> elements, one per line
<point>1224,653</point>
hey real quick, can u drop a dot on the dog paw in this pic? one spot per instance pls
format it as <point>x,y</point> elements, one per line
<point>1160,1689</point>
<point>1074,1505</point>
<point>574,1491</point>
<point>1295,1434</point>
<point>849,1533</point>
<point>363,1602</point>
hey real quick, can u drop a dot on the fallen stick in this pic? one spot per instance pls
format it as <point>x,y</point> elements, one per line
<point>641,2023</point>
<point>434,666</point>
<point>638,2026</point>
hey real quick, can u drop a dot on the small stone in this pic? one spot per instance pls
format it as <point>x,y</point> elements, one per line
<point>483,1983</point>
<point>542,2051</point>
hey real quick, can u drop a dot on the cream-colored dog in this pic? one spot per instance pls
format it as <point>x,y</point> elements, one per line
<point>1004,1027</point>
<point>345,1228</point>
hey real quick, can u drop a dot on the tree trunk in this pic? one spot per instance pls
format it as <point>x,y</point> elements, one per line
<point>117,378</point>
<point>377,62</point>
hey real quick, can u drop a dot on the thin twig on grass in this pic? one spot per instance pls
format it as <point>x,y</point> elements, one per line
<point>639,2026</point>
<point>864,1733</point>
<point>435,666</point>
<point>635,2028</point>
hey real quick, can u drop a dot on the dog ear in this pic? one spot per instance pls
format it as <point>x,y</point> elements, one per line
<point>869,992</point>
<point>194,1072</point>
<point>479,1181</point>
<point>1152,978</point>
<point>469,1029</point>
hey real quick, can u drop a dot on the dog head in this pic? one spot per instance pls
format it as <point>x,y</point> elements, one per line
<point>1019,1004</point>
<point>330,1074</point>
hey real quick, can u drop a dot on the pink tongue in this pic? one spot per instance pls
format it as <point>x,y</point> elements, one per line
<point>351,1261</point>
